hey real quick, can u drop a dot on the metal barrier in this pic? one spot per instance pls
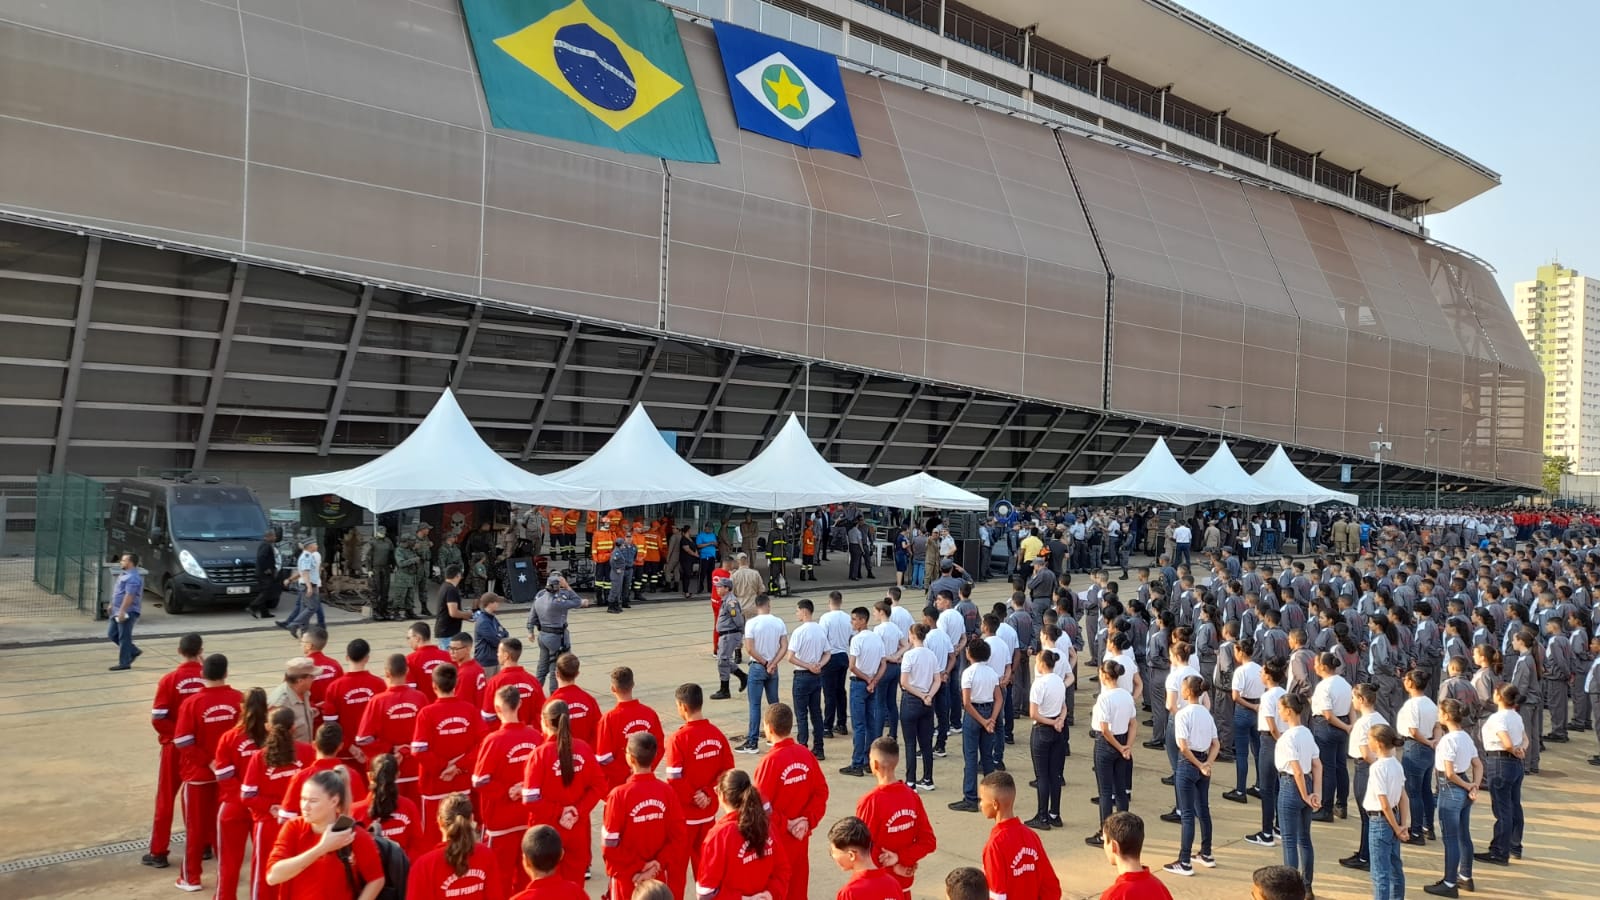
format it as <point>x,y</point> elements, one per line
<point>70,538</point>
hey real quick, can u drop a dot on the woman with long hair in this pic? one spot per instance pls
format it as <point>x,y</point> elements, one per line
<point>1460,773</point>
<point>1383,664</point>
<point>1527,675</point>
<point>394,815</point>
<point>459,867</point>
<point>234,752</point>
<point>1299,768</point>
<point>1418,724</point>
<point>561,786</point>
<point>314,858</point>
<point>1505,743</point>
<point>740,857</point>
<point>266,779</point>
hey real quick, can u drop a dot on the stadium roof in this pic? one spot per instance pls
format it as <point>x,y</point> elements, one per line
<point>1160,42</point>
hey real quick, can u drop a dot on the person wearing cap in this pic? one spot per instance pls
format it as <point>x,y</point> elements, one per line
<point>424,549</point>
<point>777,556</point>
<point>547,625</point>
<point>294,694</point>
<point>379,563</point>
<point>624,553</point>
<point>307,582</point>
<point>951,578</point>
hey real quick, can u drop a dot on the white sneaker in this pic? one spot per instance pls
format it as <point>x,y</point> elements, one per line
<point>1178,868</point>
<point>747,748</point>
<point>1209,862</point>
<point>186,886</point>
<point>924,786</point>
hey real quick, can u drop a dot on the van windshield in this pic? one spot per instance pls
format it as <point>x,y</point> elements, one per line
<point>218,522</point>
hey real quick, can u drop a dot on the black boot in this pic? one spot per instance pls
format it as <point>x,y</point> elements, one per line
<point>426,613</point>
<point>744,680</point>
<point>722,692</point>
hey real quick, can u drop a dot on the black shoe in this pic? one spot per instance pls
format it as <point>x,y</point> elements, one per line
<point>1430,834</point>
<point>1516,854</point>
<point>1094,801</point>
<point>1467,884</point>
<point>154,860</point>
<point>1236,797</point>
<point>744,680</point>
<point>1038,823</point>
<point>207,855</point>
<point>1343,812</point>
<point>721,695</point>
<point>426,613</point>
<point>1416,840</point>
<point>964,806</point>
<point>1324,816</point>
<point>1355,862</point>
<point>1440,889</point>
<point>1594,760</point>
<point>819,754</point>
<point>617,610</point>
<point>281,624</point>
<point>856,771</point>
<point>1557,738</point>
<point>1225,757</point>
<point>1492,859</point>
<point>119,668</point>
<point>1170,780</point>
<point>1253,791</point>
<point>1095,840</point>
<point>1171,816</point>
<point>827,733</point>
<point>999,767</point>
<point>842,730</point>
<point>1010,740</point>
<point>1153,745</point>
<point>1057,822</point>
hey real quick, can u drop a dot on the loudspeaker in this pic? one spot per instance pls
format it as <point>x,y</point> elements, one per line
<point>967,553</point>
<point>522,580</point>
<point>963,525</point>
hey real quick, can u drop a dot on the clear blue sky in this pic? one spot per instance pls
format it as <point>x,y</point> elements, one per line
<point>1507,84</point>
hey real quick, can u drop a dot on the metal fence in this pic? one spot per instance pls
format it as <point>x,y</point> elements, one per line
<point>70,538</point>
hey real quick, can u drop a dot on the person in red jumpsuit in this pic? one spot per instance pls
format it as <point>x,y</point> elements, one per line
<point>389,722</point>
<point>511,672</point>
<point>902,835</point>
<point>561,787</point>
<point>328,740</point>
<point>170,693</point>
<point>396,816</point>
<point>261,790</point>
<point>446,745</point>
<point>541,858</point>
<point>643,834</point>
<point>697,755</point>
<point>792,784</point>
<point>203,719</point>
<point>234,752</point>
<point>425,656</point>
<point>741,856</point>
<point>850,845</point>
<point>460,867</point>
<point>347,697</point>
<point>1014,861</point>
<point>620,722</point>
<point>497,781</point>
<point>582,709</point>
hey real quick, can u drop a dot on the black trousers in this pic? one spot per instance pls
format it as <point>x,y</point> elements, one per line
<point>916,720</point>
<point>856,558</point>
<point>1115,776</point>
<point>1049,749</point>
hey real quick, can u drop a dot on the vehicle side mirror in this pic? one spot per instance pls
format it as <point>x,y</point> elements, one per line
<point>156,534</point>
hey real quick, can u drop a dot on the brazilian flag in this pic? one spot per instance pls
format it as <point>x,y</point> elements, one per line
<point>605,72</point>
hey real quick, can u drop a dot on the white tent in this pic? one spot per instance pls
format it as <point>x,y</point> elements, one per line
<point>789,473</point>
<point>442,461</point>
<point>1223,474</point>
<point>934,493</point>
<point>1279,478</point>
<point>637,468</point>
<point>1157,477</point>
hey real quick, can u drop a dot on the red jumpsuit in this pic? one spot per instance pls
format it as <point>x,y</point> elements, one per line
<point>1015,864</point>
<point>261,790</point>
<point>582,710</point>
<point>420,664</point>
<point>403,826</point>
<point>872,884</point>
<point>289,805</point>
<point>470,682</point>
<point>433,878</point>
<point>643,823</point>
<point>532,697</point>
<point>328,671</point>
<point>170,693</point>
<point>387,725</point>
<point>730,868</point>
<point>792,783</point>
<point>448,732</point>
<point>697,755</point>
<point>546,795</point>
<point>345,703</point>
<point>897,822</point>
<point>616,726</point>
<point>497,781</point>
<point>234,751</point>
<point>203,719</point>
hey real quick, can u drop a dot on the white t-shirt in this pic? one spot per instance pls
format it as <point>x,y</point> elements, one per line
<point>1194,725</point>
<point>982,682</point>
<point>1503,730</point>
<point>1182,535</point>
<point>1418,713</point>
<point>764,633</point>
<point>1387,778</point>
<point>808,643</point>
<point>1174,685</point>
<point>1457,748</point>
<point>901,618</point>
<point>1050,693</point>
<point>1114,709</point>
<point>866,649</point>
<point>939,645</point>
<point>1247,681</point>
<point>1269,709</point>
<point>999,654</point>
<point>1331,693</point>
<point>920,668</point>
<point>953,625</point>
<point>891,635</point>
<point>1066,663</point>
<point>836,624</point>
<point>1295,744</point>
<point>1361,731</point>
<point>1008,634</point>
<point>1130,667</point>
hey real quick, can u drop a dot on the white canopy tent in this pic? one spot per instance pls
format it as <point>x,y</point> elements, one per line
<point>1157,477</point>
<point>934,493</point>
<point>637,468</point>
<point>1279,478</point>
<point>1223,474</point>
<point>789,473</point>
<point>442,461</point>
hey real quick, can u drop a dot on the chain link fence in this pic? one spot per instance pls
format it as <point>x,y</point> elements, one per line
<point>70,538</point>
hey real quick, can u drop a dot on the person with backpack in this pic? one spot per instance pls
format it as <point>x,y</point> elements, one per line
<point>461,867</point>
<point>316,859</point>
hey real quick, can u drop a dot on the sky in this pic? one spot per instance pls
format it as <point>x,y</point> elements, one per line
<point>1507,84</point>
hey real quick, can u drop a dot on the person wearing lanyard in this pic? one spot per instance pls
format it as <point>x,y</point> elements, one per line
<point>1383,806</point>
<point>1269,728</point>
<point>1115,724</point>
<point>1047,707</point>
<point>920,671</point>
<point>1330,725</point>
<point>979,687</point>
<point>1505,743</point>
<point>1418,723</point>
<point>1364,699</point>
<point>1461,772</point>
<point>1299,775</point>
<point>1194,728</point>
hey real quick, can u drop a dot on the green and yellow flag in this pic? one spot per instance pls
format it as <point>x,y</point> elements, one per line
<point>604,72</point>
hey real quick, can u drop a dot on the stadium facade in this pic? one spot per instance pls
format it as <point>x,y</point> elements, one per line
<point>259,236</point>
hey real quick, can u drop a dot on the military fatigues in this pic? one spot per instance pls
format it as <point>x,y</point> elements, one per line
<point>730,640</point>
<point>450,555</point>
<point>424,568</point>
<point>380,562</point>
<point>407,574</point>
<point>548,623</point>
<point>623,558</point>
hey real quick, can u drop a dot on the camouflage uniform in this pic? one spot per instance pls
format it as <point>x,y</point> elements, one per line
<point>379,560</point>
<point>424,570</point>
<point>403,586</point>
<point>450,555</point>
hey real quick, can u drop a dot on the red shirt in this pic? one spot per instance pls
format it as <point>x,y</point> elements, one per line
<point>582,709</point>
<point>290,804</point>
<point>263,786</point>
<point>502,759</point>
<point>433,878</point>
<point>551,887</point>
<point>203,719</point>
<point>1141,885</point>
<point>532,696</point>
<point>326,876</point>
<point>730,869</point>
<point>346,702</point>
<point>174,686</point>
<point>447,731</point>
<point>1015,865</point>
<point>234,750</point>
<point>642,824</point>
<point>616,726</point>
<point>390,721</point>
<point>791,782</point>
<point>328,670</point>
<point>872,884</point>
<point>470,682</point>
<point>420,664</point>
<point>897,821</point>
<point>403,826</point>
<point>697,755</point>
<point>546,795</point>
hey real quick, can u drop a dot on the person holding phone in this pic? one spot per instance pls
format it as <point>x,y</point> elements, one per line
<point>322,854</point>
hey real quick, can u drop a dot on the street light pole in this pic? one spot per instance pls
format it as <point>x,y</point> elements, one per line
<point>1224,408</point>
<point>1433,434</point>
<point>1378,447</point>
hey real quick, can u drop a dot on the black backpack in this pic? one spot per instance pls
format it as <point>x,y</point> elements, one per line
<point>396,867</point>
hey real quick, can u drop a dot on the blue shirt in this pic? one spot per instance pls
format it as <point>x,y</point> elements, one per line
<point>706,543</point>
<point>129,582</point>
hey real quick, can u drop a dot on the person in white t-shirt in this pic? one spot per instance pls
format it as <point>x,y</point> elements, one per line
<point>921,671</point>
<point>1505,741</point>
<point>1384,809</point>
<point>1269,728</point>
<point>1460,774</point>
<point>980,695</point>
<point>1246,691</point>
<point>1299,768</point>
<point>1418,722</point>
<point>1330,725</point>
<point>1178,669</point>
<point>1362,751</point>
<point>1115,726</point>
<point>1192,730</point>
<point>766,642</point>
<point>1047,707</point>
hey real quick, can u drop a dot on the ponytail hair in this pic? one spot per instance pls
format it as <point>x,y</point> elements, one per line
<point>385,793</point>
<point>738,792</point>
<point>1298,705</point>
<point>279,748</point>
<point>559,720</point>
<point>1112,668</point>
<point>253,716</point>
<point>333,783</point>
<point>1049,658</point>
<point>460,835</point>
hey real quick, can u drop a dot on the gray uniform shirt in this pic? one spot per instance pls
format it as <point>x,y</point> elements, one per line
<point>550,609</point>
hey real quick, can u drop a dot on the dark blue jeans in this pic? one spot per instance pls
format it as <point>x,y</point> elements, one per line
<point>1294,820</point>
<point>953,688</point>
<point>864,721</point>
<point>1002,728</point>
<point>1267,782</point>
<point>941,714</point>
<point>1333,744</point>
<point>1244,746</point>
<point>121,634</point>
<point>1113,774</point>
<point>808,707</point>
<point>1504,774</point>
<point>1363,773</point>
<point>977,750</point>
<point>835,698</point>
<point>1417,761</point>
<point>1194,802</point>
<point>1455,827</point>
<point>916,720</point>
<point>763,685</point>
<point>1048,747</point>
<point>888,694</point>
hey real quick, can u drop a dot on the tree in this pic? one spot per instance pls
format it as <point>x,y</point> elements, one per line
<point>1554,468</point>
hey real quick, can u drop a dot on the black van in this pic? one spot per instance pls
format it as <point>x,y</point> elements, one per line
<point>196,537</point>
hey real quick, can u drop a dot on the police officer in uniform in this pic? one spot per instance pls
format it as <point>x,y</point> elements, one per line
<point>601,546</point>
<point>407,569</point>
<point>424,550</point>
<point>380,562</point>
<point>777,556</point>
<point>547,625</point>
<point>624,556</point>
<point>730,640</point>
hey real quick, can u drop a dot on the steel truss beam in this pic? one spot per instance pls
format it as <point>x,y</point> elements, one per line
<point>568,344</point>
<point>1083,440</point>
<point>844,414</point>
<point>346,366</point>
<point>1055,422</point>
<point>944,438</point>
<point>781,410</point>
<point>80,340</point>
<point>1117,450</point>
<point>467,339</point>
<point>1000,431</point>
<point>894,430</point>
<point>219,366</point>
<point>711,405</point>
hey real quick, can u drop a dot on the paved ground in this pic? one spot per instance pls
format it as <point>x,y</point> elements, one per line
<point>81,758</point>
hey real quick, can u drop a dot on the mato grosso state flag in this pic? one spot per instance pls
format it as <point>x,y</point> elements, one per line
<point>604,72</point>
<point>786,91</point>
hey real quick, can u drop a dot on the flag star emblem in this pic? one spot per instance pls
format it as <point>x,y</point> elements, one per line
<point>785,90</point>
<point>522,577</point>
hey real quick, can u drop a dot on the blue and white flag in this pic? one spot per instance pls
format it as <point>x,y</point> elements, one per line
<point>786,91</point>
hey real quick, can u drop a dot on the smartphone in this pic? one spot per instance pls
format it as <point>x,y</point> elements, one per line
<point>344,823</point>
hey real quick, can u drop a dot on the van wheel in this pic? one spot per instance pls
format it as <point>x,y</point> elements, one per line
<point>169,599</point>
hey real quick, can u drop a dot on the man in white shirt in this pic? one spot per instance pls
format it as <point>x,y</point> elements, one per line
<point>766,640</point>
<point>938,643</point>
<point>866,668</point>
<point>835,696</point>
<point>308,588</point>
<point>809,653</point>
<point>1182,537</point>
<point>895,644</point>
